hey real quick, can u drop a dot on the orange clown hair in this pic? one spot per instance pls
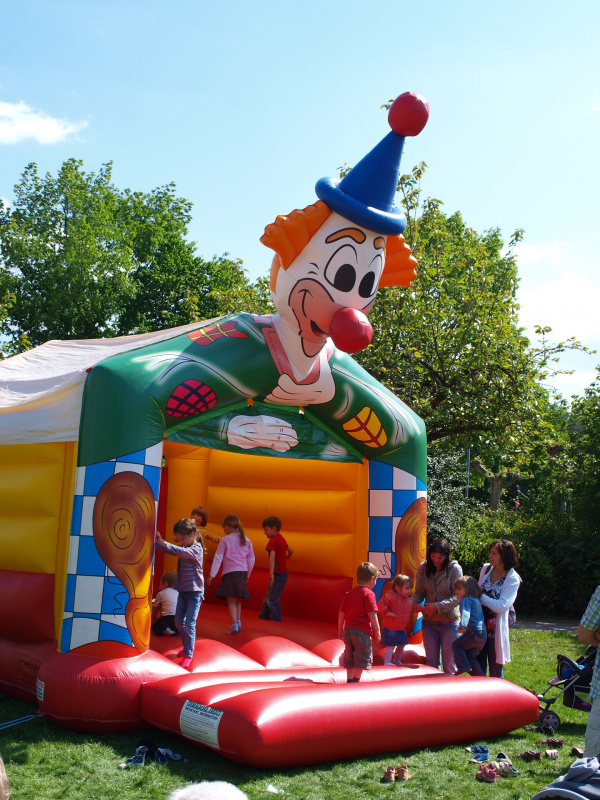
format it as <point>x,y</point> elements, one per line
<point>290,234</point>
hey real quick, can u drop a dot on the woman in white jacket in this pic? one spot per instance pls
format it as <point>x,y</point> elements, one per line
<point>500,584</point>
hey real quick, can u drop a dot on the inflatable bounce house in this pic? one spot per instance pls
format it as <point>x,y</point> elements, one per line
<point>103,442</point>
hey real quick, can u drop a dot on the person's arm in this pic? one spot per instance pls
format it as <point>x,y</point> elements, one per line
<point>289,552</point>
<point>250,559</point>
<point>454,573</point>
<point>382,605</point>
<point>375,625</point>
<point>465,615</point>
<point>156,603</point>
<point>507,595</point>
<point>590,621</point>
<point>217,560</point>
<point>341,617</point>
<point>420,592</point>
<point>586,636</point>
<point>271,567</point>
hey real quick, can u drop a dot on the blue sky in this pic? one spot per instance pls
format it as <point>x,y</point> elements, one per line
<point>245,105</point>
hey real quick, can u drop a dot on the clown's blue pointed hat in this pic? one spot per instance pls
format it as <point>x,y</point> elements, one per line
<point>365,195</point>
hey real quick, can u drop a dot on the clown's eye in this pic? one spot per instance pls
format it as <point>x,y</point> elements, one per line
<point>345,278</point>
<point>367,285</point>
<point>338,272</point>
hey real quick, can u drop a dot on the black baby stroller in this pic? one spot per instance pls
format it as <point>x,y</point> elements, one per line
<point>571,677</point>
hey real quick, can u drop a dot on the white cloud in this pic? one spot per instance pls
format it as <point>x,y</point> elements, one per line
<point>560,288</point>
<point>18,122</point>
<point>567,303</point>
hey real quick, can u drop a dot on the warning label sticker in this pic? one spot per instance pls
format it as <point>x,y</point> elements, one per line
<point>200,723</point>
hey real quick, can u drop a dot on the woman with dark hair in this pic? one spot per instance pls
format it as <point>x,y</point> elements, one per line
<point>499,583</point>
<point>435,581</point>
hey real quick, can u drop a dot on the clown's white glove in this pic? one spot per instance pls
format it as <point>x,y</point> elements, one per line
<point>288,392</point>
<point>261,431</point>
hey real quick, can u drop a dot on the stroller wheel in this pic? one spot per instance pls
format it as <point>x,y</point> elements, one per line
<point>549,719</point>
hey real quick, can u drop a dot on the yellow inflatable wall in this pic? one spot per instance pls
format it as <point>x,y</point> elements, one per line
<point>35,511</point>
<point>322,504</point>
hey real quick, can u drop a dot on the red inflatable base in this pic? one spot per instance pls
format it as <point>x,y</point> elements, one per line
<point>98,694</point>
<point>291,721</point>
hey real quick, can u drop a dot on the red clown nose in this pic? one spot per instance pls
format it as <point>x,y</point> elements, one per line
<point>350,330</point>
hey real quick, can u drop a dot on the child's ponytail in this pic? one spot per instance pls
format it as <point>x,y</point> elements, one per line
<point>233,521</point>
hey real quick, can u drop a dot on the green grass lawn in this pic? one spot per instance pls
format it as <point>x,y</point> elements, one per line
<point>45,761</point>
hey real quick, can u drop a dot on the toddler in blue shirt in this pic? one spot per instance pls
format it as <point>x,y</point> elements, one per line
<point>471,626</point>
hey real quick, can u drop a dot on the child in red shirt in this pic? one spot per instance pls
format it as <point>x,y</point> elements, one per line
<point>396,608</point>
<point>279,552</point>
<point>358,622</point>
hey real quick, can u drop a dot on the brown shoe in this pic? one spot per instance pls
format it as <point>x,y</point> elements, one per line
<point>402,773</point>
<point>530,755</point>
<point>577,751</point>
<point>389,776</point>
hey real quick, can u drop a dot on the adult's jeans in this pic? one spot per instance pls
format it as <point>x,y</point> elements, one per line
<point>271,608</point>
<point>438,635</point>
<point>466,649</point>
<point>592,731</point>
<point>188,606</point>
<point>487,658</point>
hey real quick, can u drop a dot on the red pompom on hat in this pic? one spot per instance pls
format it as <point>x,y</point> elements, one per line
<point>408,114</point>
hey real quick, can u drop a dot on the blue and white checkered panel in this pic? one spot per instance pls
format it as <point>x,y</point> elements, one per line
<point>391,492</point>
<point>95,598</point>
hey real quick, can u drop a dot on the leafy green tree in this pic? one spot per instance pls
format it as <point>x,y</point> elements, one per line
<point>9,346</point>
<point>84,259</point>
<point>585,452</point>
<point>451,346</point>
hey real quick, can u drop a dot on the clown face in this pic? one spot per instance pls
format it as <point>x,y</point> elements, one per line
<point>337,272</point>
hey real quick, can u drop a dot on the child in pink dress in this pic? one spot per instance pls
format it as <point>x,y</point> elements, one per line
<point>396,607</point>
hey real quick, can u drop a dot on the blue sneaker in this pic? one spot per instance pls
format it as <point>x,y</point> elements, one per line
<point>478,748</point>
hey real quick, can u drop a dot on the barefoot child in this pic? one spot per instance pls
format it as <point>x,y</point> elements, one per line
<point>165,602</point>
<point>471,627</point>
<point>396,608</point>
<point>190,582</point>
<point>358,623</point>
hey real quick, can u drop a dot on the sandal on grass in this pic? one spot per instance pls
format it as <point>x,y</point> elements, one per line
<point>402,773</point>
<point>389,776</point>
<point>486,774</point>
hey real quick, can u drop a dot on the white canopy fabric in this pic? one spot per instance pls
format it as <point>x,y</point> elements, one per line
<point>41,390</point>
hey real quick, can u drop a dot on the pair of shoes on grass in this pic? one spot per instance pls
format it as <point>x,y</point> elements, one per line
<point>480,753</point>
<point>554,742</point>
<point>486,774</point>
<point>392,774</point>
<point>504,768</point>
